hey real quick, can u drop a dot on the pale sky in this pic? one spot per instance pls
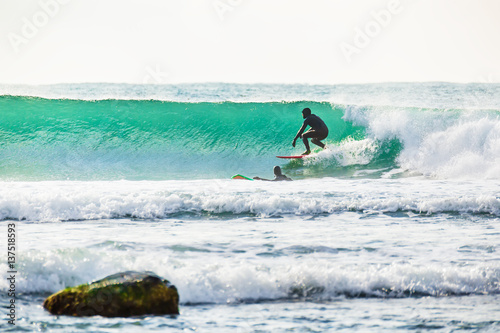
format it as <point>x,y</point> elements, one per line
<point>249,41</point>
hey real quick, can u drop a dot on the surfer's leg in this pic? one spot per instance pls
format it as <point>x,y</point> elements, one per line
<point>317,136</point>
<point>317,142</point>
<point>306,143</point>
<point>313,135</point>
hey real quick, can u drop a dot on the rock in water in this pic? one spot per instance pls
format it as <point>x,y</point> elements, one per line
<point>119,295</point>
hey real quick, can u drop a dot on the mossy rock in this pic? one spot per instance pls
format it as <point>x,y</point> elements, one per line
<point>124,294</point>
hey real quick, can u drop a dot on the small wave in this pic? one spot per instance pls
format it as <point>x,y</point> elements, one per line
<point>66,201</point>
<point>422,95</point>
<point>199,281</point>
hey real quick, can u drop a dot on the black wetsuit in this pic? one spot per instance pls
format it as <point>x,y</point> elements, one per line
<point>318,128</point>
<point>281,177</point>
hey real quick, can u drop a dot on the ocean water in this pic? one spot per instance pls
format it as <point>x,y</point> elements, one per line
<point>395,227</point>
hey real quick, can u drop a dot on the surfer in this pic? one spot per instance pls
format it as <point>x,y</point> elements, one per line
<point>317,132</point>
<point>278,176</point>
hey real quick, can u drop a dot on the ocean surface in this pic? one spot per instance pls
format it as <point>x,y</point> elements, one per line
<point>395,227</point>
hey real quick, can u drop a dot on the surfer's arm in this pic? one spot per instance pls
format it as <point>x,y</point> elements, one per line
<point>299,133</point>
<point>258,178</point>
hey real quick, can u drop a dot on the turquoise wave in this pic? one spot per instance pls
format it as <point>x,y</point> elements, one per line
<point>59,139</point>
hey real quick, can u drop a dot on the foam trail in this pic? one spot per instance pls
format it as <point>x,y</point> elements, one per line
<point>347,152</point>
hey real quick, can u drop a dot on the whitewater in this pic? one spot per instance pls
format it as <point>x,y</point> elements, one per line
<point>393,227</point>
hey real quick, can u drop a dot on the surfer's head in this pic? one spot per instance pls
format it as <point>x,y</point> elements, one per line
<point>277,171</point>
<point>306,113</point>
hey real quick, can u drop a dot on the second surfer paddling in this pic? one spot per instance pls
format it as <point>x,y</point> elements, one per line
<point>317,132</point>
<point>278,176</point>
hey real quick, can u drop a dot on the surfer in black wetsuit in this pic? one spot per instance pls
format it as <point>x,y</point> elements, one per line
<point>317,132</point>
<point>278,176</point>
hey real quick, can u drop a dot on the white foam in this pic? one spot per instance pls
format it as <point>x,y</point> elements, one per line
<point>61,201</point>
<point>204,280</point>
<point>469,149</point>
<point>459,144</point>
<point>348,152</point>
<point>228,265</point>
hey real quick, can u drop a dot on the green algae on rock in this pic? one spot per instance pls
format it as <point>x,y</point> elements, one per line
<point>119,295</point>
